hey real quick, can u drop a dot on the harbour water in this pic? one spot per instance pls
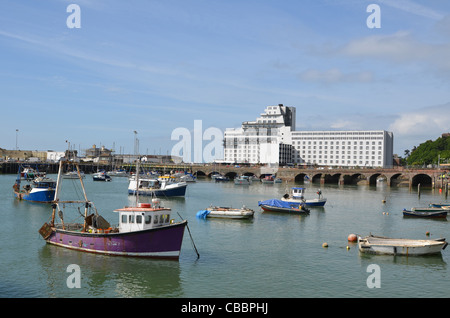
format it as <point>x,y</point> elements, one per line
<point>271,256</point>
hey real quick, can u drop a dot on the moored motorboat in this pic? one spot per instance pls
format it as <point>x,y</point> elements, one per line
<point>188,177</point>
<point>118,173</point>
<point>226,212</point>
<point>243,180</point>
<point>101,176</point>
<point>445,206</point>
<point>426,212</point>
<point>274,205</point>
<point>29,173</point>
<point>268,179</point>
<point>73,175</point>
<point>297,196</point>
<point>144,230</point>
<point>161,187</point>
<point>220,178</point>
<point>398,246</point>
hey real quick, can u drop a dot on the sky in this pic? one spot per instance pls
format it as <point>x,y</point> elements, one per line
<point>157,66</point>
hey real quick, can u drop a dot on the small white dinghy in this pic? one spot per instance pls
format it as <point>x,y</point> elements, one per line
<point>394,246</point>
<point>226,212</point>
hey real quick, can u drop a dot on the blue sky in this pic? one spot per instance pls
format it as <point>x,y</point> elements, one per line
<point>154,66</point>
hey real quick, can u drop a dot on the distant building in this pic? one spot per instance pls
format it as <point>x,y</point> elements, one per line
<point>54,156</point>
<point>343,148</point>
<point>272,139</point>
<point>101,154</point>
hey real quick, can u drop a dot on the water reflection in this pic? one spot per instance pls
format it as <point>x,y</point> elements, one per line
<point>108,276</point>
<point>427,261</point>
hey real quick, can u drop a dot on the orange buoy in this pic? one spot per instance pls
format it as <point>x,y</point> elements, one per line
<point>352,238</point>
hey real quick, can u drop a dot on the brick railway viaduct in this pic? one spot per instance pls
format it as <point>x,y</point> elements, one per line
<point>393,177</point>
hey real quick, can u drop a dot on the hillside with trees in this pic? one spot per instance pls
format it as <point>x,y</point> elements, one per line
<point>430,152</point>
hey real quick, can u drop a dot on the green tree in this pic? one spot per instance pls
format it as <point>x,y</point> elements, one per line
<point>430,152</point>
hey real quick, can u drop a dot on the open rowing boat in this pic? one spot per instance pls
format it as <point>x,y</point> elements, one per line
<point>397,246</point>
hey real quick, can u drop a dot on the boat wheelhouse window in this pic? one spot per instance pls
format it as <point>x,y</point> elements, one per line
<point>131,218</point>
<point>138,219</point>
<point>148,219</point>
<point>124,218</point>
<point>155,220</point>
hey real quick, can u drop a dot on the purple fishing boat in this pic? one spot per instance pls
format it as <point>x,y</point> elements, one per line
<point>144,230</point>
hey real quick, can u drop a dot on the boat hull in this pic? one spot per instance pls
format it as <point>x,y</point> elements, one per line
<point>163,242</point>
<point>425,214</point>
<point>178,191</point>
<point>310,203</point>
<point>37,195</point>
<point>269,208</point>
<point>406,247</point>
<point>226,213</point>
<point>101,179</point>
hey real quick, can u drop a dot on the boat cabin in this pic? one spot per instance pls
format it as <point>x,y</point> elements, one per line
<point>143,217</point>
<point>298,193</point>
<point>44,183</point>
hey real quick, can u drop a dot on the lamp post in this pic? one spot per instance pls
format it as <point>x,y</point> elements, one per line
<point>136,144</point>
<point>17,136</point>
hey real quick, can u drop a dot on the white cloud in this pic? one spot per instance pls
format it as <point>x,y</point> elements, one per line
<point>400,47</point>
<point>334,75</point>
<point>427,122</point>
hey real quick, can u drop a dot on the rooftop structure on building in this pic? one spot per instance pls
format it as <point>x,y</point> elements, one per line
<point>266,140</point>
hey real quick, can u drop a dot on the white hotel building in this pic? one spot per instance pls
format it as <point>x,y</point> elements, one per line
<point>272,139</point>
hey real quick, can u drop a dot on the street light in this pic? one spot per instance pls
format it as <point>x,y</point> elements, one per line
<point>136,144</point>
<point>17,136</point>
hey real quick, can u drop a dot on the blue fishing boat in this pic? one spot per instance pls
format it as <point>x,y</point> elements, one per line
<point>41,189</point>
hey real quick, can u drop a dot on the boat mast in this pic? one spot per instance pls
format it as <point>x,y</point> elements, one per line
<point>137,181</point>
<point>86,205</point>
<point>58,189</point>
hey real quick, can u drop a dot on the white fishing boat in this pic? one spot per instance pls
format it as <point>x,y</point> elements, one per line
<point>397,246</point>
<point>297,196</point>
<point>268,180</point>
<point>164,186</point>
<point>226,212</point>
<point>242,180</point>
<point>188,177</point>
<point>118,173</point>
<point>101,176</point>
<point>73,175</point>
